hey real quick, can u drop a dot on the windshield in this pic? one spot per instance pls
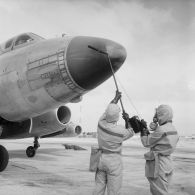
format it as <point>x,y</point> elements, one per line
<point>19,41</point>
<point>23,39</point>
<point>6,45</point>
<point>37,36</point>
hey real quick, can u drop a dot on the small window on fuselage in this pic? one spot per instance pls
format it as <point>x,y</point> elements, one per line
<point>23,39</point>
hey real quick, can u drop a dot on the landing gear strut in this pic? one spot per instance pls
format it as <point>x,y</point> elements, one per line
<point>31,150</point>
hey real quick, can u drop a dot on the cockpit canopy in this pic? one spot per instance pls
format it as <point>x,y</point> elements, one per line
<point>19,41</point>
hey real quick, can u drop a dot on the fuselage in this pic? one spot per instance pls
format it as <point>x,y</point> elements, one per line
<point>39,75</point>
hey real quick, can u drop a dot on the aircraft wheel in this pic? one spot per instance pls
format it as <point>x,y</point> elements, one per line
<point>4,158</point>
<point>30,151</point>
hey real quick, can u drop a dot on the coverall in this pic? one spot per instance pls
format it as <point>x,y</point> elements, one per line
<point>162,143</point>
<point>110,139</point>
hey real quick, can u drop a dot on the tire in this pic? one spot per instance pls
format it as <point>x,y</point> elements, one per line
<point>4,158</point>
<point>30,151</point>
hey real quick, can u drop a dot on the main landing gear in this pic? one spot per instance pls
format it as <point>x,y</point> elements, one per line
<point>31,150</point>
<point>4,158</point>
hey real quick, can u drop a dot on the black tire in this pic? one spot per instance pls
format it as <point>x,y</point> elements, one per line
<point>30,151</point>
<point>4,158</point>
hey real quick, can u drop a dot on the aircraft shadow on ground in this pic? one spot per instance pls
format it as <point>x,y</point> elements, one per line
<point>42,154</point>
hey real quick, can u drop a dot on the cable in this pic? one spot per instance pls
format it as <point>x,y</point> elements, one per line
<point>130,100</point>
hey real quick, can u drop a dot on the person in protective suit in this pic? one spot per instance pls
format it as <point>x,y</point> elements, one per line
<point>162,143</point>
<point>110,139</point>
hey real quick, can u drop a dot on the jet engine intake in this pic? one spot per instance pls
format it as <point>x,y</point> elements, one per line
<point>47,123</point>
<point>50,122</point>
<point>71,130</point>
<point>63,114</point>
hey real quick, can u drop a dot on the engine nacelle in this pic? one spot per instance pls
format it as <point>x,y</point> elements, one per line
<point>50,122</point>
<point>39,126</point>
<point>72,129</point>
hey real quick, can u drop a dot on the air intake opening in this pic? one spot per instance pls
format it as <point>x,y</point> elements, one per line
<point>63,114</point>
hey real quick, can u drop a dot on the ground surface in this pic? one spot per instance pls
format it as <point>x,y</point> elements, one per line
<point>56,171</point>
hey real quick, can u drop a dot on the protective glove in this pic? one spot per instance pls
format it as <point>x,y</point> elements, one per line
<point>117,97</point>
<point>126,118</point>
<point>136,124</point>
<point>144,130</point>
<point>144,123</point>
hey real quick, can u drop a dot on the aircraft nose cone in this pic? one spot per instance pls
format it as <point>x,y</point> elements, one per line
<point>117,55</point>
<point>88,67</point>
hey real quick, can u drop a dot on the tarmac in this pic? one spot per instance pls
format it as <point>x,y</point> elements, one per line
<point>56,170</point>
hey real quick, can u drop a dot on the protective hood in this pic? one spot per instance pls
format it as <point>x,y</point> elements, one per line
<point>164,114</point>
<point>112,113</point>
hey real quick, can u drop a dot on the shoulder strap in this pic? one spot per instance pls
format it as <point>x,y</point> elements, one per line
<point>165,134</point>
<point>171,133</point>
<point>110,132</point>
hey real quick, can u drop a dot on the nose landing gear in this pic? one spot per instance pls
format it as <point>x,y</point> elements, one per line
<point>31,150</point>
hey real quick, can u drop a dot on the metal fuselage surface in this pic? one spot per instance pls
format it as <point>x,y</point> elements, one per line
<point>35,79</point>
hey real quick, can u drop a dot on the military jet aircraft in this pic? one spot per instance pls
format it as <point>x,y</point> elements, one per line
<point>39,76</point>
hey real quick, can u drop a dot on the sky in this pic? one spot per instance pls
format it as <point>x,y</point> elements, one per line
<point>159,39</point>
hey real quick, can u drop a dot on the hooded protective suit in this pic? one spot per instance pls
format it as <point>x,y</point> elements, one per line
<point>162,143</point>
<point>110,139</point>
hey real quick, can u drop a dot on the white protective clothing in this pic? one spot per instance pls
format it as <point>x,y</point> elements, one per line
<point>162,143</point>
<point>110,139</point>
<point>112,113</point>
